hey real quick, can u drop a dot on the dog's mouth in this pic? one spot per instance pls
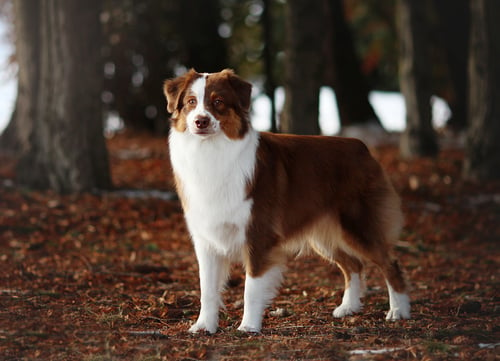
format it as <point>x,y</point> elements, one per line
<point>203,132</point>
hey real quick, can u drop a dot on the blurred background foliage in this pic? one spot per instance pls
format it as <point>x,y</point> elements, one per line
<point>147,41</point>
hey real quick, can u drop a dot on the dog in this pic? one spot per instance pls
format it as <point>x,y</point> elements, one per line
<point>256,197</point>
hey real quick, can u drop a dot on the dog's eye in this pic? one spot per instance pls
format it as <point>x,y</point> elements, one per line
<point>191,101</point>
<point>218,103</point>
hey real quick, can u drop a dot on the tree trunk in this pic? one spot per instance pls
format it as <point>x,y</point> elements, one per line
<point>351,88</point>
<point>303,67</point>
<point>68,152</point>
<point>454,26</point>
<point>15,138</point>
<point>419,139</point>
<point>482,160</point>
<point>268,58</point>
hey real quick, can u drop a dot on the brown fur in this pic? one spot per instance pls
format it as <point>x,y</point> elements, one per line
<point>175,91</point>
<point>325,192</point>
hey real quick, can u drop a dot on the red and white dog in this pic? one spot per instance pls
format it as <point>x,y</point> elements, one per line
<point>255,197</point>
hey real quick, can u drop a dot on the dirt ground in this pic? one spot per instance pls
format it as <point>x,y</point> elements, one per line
<point>113,276</point>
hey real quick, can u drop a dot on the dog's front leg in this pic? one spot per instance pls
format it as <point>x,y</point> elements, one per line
<point>214,270</point>
<point>259,292</point>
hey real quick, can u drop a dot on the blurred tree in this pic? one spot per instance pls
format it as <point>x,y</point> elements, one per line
<point>269,55</point>
<point>303,66</point>
<point>419,138</point>
<point>350,84</point>
<point>15,138</point>
<point>453,24</point>
<point>482,160</point>
<point>66,149</point>
<point>320,51</point>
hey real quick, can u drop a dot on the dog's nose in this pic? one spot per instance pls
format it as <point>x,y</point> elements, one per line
<point>202,122</point>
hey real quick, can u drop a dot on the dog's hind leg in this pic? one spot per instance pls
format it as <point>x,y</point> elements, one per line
<point>399,302</point>
<point>352,269</point>
<point>381,222</point>
<point>323,242</point>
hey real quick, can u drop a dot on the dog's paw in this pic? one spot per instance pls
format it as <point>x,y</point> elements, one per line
<point>398,314</point>
<point>347,309</point>
<point>400,307</point>
<point>248,329</point>
<point>199,327</point>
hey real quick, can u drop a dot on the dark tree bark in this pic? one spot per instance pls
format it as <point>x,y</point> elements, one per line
<point>268,55</point>
<point>15,138</point>
<point>351,88</point>
<point>67,150</point>
<point>419,138</point>
<point>303,67</point>
<point>482,160</point>
<point>454,27</point>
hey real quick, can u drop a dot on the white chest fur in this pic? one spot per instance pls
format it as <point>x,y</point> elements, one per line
<point>214,173</point>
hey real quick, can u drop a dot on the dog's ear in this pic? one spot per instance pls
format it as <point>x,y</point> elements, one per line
<point>175,88</point>
<point>242,88</point>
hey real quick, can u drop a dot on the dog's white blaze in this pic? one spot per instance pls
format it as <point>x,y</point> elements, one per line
<point>351,300</point>
<point>259,293</point>
<point>198,89</point>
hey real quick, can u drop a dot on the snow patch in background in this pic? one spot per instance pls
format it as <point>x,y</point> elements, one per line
<point>329,119</point>
<point>390,109</point>
<point>8,82</point>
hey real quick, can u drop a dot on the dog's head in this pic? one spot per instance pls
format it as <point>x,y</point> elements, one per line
<point>209,104</point>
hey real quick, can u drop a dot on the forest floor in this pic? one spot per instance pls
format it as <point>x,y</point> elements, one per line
<point>113,276</point>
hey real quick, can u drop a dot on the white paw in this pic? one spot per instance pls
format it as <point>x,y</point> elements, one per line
<point>249,329</point>
<point>398,314</point>
<point>399,306</point>
<point>202,326</point>
<point>347,309</point>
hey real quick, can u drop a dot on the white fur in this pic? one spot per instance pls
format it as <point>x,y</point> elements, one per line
<point>399,305</point>
<point>351,300</point>
<point>259,293</point>
<point>214,173</point>
<point>214,270</point>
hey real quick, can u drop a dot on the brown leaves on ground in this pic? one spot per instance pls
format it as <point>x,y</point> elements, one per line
<point>109,277</point>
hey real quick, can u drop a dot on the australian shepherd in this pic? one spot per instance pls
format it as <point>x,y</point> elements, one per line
<point>256,198</point>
